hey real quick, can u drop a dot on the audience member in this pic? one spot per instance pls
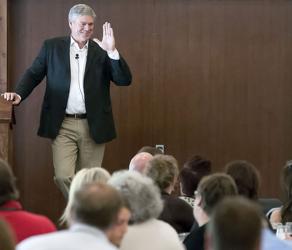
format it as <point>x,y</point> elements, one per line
<point>284,214</point>
<point>163,170</point>
<point>190,175</point>
<point>246,177</point>
<point>83,177</point>
<point>235,224</point>
<point>23,223</point>
<point>211,190</point>
<point>151,150</point>
<point>94,210</point>
<point>97,175</point>
<point>143,198</point>
<point>7,241</point>
<point>117,231</point>
<point>139,161</point>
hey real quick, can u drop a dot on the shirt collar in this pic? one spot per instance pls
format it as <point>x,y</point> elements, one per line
<point>74,44</point>
<point>81,227</point>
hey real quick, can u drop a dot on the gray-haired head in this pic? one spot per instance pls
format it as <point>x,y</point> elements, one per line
<point>140,194</point>
<point>80,10</point>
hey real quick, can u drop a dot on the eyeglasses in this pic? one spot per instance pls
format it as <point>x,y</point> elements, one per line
<point>196,194</point>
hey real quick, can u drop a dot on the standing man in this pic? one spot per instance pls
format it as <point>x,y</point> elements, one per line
<point>76,112</point>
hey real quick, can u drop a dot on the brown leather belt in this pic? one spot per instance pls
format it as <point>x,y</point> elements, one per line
<point>76,116</point>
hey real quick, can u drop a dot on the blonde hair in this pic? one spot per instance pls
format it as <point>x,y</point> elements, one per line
<point>83,177</point>
<point>163,170</point>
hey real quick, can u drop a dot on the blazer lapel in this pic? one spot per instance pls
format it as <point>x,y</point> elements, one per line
<point>90,56</point>
<point>93,55</point>
<point>67,56</point>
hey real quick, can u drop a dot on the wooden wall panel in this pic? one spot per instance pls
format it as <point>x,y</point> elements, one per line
<point>210,77</point>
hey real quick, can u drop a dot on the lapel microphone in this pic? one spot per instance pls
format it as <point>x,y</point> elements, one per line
<point>77,57</point>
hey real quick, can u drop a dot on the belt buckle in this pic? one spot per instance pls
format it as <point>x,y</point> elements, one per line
<point>75,116</point>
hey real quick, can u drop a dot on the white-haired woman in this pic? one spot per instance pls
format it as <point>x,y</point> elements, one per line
<point>143,198</point>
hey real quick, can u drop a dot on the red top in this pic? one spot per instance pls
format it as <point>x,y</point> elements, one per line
<point>24,224</point>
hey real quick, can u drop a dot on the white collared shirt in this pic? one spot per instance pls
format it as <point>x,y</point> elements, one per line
<point>78,58</point>
<point>78,237</point>
<point>76,100</point>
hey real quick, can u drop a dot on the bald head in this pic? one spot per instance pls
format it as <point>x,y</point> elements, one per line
<point>139,161</point>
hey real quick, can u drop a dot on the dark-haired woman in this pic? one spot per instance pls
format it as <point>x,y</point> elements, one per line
<point>284,214</point>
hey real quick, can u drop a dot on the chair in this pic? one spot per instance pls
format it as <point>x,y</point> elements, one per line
<point>268,204</point>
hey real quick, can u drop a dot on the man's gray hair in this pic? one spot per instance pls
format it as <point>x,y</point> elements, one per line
<point>80,10</point>
<point>140,193</point>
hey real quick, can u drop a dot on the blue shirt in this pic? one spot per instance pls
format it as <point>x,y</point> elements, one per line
<point>271,242</point>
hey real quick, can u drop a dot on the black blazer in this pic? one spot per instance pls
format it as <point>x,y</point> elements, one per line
<point>53,62</point>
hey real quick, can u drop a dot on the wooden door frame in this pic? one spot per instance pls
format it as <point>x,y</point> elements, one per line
<point>4,128</point>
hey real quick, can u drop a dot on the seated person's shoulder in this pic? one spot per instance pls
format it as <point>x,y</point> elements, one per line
<point>275,216</point>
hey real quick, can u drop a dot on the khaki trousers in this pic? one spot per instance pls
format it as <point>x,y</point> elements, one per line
<point>74,149</point>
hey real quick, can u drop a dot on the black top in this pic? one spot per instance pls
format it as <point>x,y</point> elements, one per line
<point>178,213</point>
<point>195,240</point>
